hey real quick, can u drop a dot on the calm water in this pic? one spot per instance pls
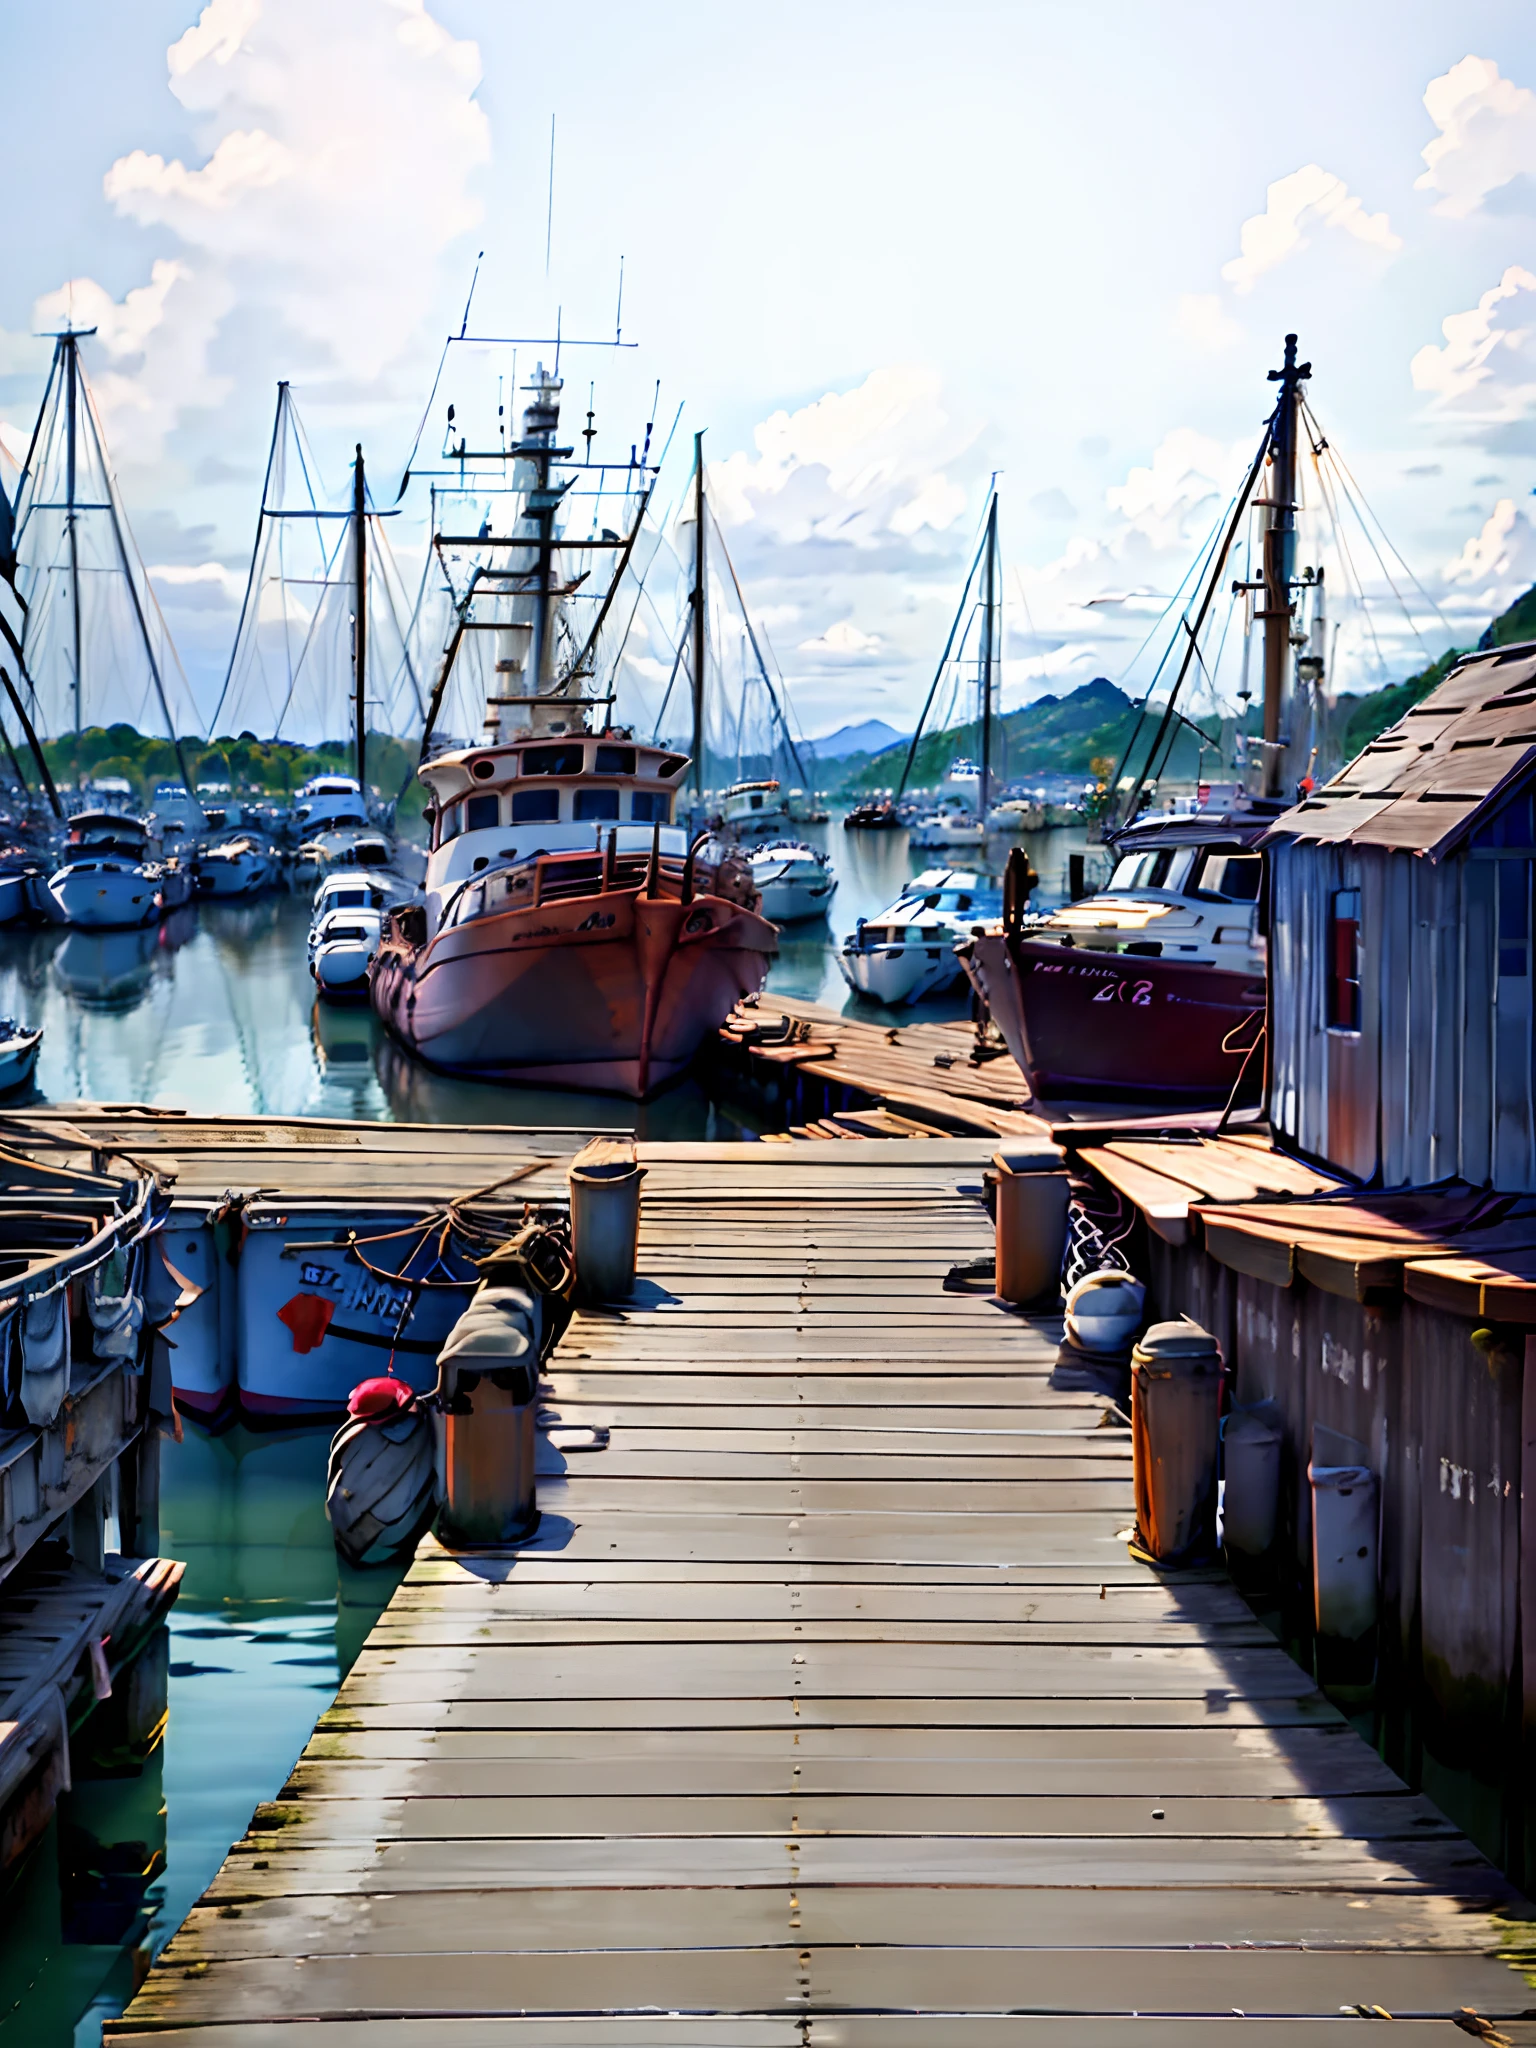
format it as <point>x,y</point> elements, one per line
<point>215,1011</point>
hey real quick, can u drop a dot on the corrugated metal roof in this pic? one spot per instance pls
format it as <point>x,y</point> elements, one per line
<point>1427,780</point>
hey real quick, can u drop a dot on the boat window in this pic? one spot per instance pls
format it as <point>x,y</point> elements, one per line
<point>568,760</point>
<point>480,811</point>
<point>614,761</point>
<point>349,899</point>
<point>756,800</point>
<point>1228,877</point>
<point>650,807</point>
<point>593,804</point>
<point>451,825</point>
<point>1344,960</point>
<point>1143,870</point>
<point>536,806</point>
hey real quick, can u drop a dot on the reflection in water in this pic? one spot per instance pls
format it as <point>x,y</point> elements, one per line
<point>258,1642</point>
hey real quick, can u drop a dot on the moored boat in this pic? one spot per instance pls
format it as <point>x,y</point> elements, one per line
<point>794,881</point>
<point>908,951</point>
<point>19,1048</point>
<point>106,879</point>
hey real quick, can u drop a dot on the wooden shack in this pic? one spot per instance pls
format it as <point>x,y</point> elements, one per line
<point>1402,1026</point>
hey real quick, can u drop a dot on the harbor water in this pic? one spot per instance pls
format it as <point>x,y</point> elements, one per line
<point>214,1012</point>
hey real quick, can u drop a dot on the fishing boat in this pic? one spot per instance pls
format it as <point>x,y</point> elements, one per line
<point>793,880</point>
<point>908,951</point>
<point>569,931</point>
<point>1153,989</point>
<point>749,809</point>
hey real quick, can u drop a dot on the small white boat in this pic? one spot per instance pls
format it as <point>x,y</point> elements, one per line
<point>908,952</point>
<point>749,808</point>
<point>106,881</point>
<point>18,1054</point>
<point>328,802</point>
<point>952,824</point>
<point>1016,814</point>
<point>241,866</point>
<point>795,881</point>
<point>342,944</point>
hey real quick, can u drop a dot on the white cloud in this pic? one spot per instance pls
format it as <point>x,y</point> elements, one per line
<point>341,148</point>
<point>854,467</point>
<point>1497,564</point>
<point>1487,139</point>
<point>842,641</point>
<point>1310,197</point>
<point>1202,320</point>
<point>1189,472</point>
<point>1486,372</point>
<point>197,586</point>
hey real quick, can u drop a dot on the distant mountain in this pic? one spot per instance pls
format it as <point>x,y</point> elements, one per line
<point>873,736</point>
<point>1062,735</point>
<point>1362,719</point>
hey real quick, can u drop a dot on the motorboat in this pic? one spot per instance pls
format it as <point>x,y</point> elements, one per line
<point>1150,990</point>
<point>106,880</point>
<point>568,932</point>
<point>748,809</point>
<point>18,1055</point>
<point>341,847</point>
<point>908,951</point>
<point>952,824</point>
<point>342,944</point>
<point>328,802</point>
<point>795,881</point>
<point>874,817</point>
<point>358,889</point>
<point>23,886</point>
<point>241,866</point>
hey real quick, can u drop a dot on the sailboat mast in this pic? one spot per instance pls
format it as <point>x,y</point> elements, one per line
<point>71,424</point>
<point>1280,563</point>
<point>988,656</point>
<point>698,615</point>
<point>360,617</point>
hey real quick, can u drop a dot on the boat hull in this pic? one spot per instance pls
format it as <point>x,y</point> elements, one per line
<point>613,991</point>
<point>18,1061</point>
<point>1100,1026</point>
<point>900,974</point>
<point>104,898</point>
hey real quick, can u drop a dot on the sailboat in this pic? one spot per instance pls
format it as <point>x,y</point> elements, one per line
<point>94,649</point>
<point>569,933</point>
<point>321,646</point>
<point>1153,989</point>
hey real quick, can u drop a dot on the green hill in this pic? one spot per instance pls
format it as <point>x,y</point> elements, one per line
<point>1364,717</point>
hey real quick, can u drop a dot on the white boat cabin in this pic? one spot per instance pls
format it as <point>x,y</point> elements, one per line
<point>496,806</point>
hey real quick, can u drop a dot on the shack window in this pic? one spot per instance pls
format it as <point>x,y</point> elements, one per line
<point>649,806</point>
<point>535,806</point>
<point>1344,960</point>
<point>1514,919</point>
<point>553,760</point>
<point>594,804</point>
<point>480,811</point>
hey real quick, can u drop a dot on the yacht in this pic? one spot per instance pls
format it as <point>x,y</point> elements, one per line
<point>106,879</point>
<point>908,951</point>
<point>342,945</point>
<point>568,931</point>
<point>328,802</point>
<point>750,808</point>
<point>795,881</point>
<point>241,866</point>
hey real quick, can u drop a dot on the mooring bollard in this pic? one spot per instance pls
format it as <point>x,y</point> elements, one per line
<point>1032,1195</point>
<point>1175,1398</point>
<point>605,1219</point>
<point>488,1375</point>
<point>1344,1536</point>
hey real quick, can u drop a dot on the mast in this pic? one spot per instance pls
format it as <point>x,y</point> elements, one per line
<point>359,618</point>
<point>1280,563</point>
<point>988,656</point>
<point>70,349</point>
<point>698,615</point>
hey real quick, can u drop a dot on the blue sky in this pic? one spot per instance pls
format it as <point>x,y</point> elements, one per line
<point>878,251</point>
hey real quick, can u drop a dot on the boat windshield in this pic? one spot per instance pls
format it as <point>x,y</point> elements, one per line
<point>1160,867</point>
<point>1226,877</point>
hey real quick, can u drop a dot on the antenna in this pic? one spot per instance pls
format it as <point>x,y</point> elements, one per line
<point>618,317</point>
<point>549,217</point>
<point>464,323</point>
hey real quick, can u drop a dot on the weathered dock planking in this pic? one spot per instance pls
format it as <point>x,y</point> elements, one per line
<point>829,1707</point>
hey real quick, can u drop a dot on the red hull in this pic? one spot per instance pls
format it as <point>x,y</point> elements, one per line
<point>613,991</point>
<point>1096,1025</point>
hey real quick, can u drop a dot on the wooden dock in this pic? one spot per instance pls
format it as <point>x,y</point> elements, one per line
<point>828,1707</point>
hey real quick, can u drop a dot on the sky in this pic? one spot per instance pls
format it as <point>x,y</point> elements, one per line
<point>878,253</point>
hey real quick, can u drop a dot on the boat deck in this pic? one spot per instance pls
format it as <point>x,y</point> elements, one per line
<point>829,1707</point>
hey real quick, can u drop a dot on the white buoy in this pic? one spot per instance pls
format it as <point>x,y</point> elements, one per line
<point>1345,1531</point>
